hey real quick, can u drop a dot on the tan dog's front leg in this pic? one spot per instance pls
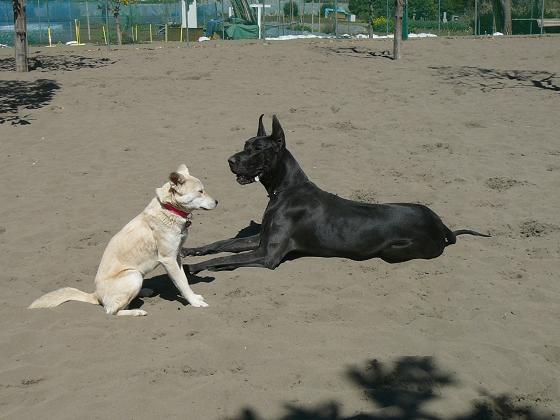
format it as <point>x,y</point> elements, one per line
<point>180,280</point>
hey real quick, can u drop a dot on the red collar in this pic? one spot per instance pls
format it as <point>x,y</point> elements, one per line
<point>175,210</point>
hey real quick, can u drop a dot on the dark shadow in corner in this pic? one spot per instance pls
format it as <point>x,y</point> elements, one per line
<point>401,392</point>
<point>360,52</point>
<point>492,79</point>
<point>19,94</point>
<point>56,63</point>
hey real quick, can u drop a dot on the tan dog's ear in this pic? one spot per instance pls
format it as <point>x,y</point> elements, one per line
<point>183,169</point>
<point>176,178</point>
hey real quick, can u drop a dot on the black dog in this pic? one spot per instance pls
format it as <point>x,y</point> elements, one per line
<point>303,219</point>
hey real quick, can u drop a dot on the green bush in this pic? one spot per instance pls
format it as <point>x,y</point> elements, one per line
<point>432,25</point>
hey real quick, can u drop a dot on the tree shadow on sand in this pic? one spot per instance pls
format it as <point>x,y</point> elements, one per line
<point>19,94</point>
<point>56,63</point>
<point>359,52</point>
<point>401,393</point>
<point>492,79</point>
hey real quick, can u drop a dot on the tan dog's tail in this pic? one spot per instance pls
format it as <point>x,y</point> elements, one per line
<point>57,297</point>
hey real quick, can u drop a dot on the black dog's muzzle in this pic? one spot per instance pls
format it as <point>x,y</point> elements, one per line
<point>244,174</point>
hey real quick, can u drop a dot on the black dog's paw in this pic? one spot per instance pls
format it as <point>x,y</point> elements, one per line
<point>189,252</point>
<point>192,268</point>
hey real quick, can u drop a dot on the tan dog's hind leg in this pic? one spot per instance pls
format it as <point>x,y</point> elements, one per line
<point>119,292</point>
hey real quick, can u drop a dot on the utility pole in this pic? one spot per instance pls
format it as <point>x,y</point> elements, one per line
<point>20,35</point>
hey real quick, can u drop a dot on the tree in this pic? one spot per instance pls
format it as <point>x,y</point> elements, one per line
<point>397,37</point>
<point>115,9</point>
<point>20,35</point>
<point>502,15</point>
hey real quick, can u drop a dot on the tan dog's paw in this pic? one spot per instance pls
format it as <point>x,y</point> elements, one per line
<point>197,301</point>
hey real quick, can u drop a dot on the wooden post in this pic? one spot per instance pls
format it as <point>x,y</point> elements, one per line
<point>20,35</point>
<point>398,29</point>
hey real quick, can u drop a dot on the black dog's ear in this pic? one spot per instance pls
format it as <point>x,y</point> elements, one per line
<point>277,133</point>
<point>261,131</point>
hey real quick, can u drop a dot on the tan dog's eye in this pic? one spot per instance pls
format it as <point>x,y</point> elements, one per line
<point>201,192</point>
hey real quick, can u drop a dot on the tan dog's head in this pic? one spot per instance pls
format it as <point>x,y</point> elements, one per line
<point>185,192</point>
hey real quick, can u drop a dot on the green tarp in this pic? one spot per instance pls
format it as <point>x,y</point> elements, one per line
<point>239,31</point>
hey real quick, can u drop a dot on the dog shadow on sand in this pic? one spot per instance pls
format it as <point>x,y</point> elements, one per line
<point>164,288</point>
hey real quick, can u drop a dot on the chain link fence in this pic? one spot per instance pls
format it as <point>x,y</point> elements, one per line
<point>87,21</point>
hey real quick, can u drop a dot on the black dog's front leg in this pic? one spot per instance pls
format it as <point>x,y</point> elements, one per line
<point>227,245</point>
<point>231,262</point>
<point>264,256</point>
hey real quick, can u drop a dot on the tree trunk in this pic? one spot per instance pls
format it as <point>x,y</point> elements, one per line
<point>502,14</point>
<point>506,10</point>
<point>20,35</point>
<point>116,13</point>
<point>398,29</point>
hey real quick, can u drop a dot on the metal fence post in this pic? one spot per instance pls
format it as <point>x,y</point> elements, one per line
<point>439,16</point>
<point>542,17</point>
<point>336,18</point>
<point>405,21</point>
<point>107,24</point>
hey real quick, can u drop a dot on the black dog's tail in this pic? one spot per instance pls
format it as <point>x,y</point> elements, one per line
<point>451,236</point>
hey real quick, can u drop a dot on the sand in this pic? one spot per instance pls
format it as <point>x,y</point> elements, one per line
<point>466,126</point>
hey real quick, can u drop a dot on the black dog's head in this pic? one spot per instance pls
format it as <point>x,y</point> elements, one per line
<point>260,155</point>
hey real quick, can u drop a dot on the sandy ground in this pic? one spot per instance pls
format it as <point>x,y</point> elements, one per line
<point>466,126</point>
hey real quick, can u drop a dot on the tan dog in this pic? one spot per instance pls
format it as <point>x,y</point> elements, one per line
<point>152,238</point>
